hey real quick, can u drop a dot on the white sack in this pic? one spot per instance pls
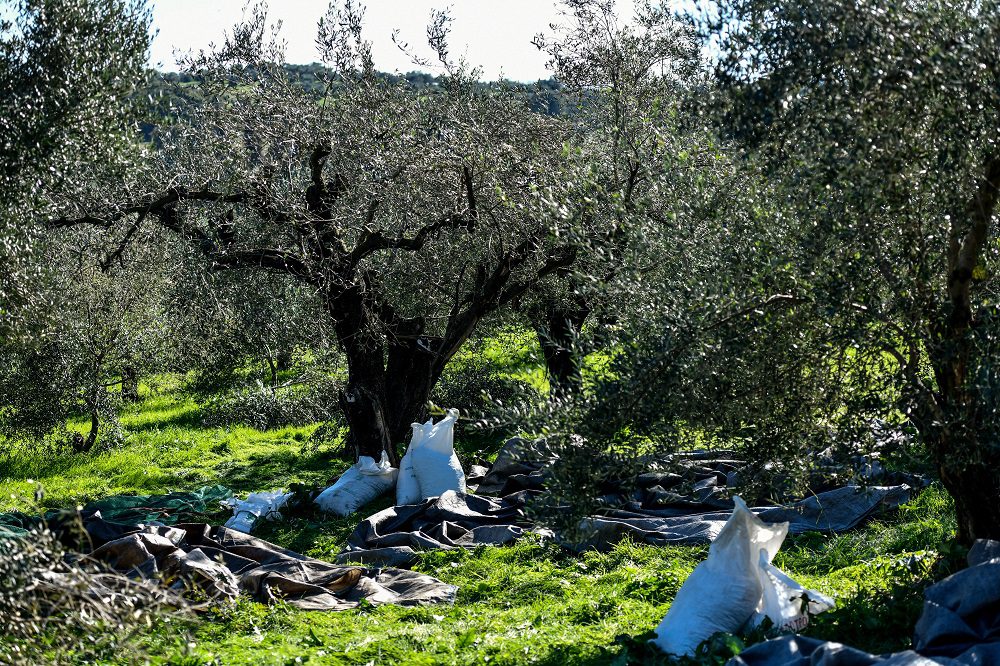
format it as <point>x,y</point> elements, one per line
<point>407,485</point>
<point>257,506</point>
<point>736,583</point>
<point>434,461</point>
<point>787,603</point>
<point>359,485</point>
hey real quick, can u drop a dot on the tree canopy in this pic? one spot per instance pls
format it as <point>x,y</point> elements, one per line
<point>411,215</point>
<point>67,70</point>
<point>766,225</point>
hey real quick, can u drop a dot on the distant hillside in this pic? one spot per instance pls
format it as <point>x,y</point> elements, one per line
<point>168,93</point>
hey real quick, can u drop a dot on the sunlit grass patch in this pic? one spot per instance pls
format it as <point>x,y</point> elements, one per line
<point>166,449</point>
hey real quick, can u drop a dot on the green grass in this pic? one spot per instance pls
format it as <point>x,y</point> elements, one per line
<point>531,603</point>
<point>167,449</point>
<point>515,352</point>
<point>535,603</point>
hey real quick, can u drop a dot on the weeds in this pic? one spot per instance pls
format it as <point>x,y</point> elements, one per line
<point>61,609</point>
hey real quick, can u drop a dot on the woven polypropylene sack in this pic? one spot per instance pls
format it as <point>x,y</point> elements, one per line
<point>407,485</point>
<point>434,460</point>
<point>735,585</point>
<point>365,481</point>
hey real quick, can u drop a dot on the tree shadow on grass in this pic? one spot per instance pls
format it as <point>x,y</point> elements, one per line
<point>564,654</point>
<point>189,419</point>
<point>277,469</point>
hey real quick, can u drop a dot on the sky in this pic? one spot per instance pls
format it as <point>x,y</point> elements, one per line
<point>493,34</point>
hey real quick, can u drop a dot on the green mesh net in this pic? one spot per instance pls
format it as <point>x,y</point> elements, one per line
<point>125,509</point>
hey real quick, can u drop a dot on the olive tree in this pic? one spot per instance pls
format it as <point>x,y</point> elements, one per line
<point>67,68</point>
<point>878,121</point>
<point>628,81</point>
<point>707,351</point>
<point>413,214</point>
<point>104,326</point>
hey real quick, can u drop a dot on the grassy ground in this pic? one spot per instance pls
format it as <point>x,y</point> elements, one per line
<point>167,449</point>
<point>536,603</point>
<point>529,603</point>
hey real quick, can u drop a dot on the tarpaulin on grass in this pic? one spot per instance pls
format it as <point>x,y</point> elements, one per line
<point>393,536</point>
<point>224,563</point>
<point>127,510</point>
<point>831,511</point>
<point>960,626</point>
<point>167,509</point>
<point>687,505</point>
<point>143,537</point>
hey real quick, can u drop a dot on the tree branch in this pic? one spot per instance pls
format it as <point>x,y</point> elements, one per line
<point>164,209</point>
<point>375,241</point>
<point>558,259</point>
<point>105,264</point>
<point>271,259</point>
<point>470,196</point>
<point>316,193</point>
<point>784,299</point>
<point>491,291</point>
<point>149,207</point>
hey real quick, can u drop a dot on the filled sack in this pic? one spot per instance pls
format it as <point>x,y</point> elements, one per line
<point>365,481</point>
<point>785,602</point>
<point>737,585</point>
<point>435,463</point>
<point>256,507</point>
<point>407,485</point>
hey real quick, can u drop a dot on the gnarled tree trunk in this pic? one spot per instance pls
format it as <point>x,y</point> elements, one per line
<point>130,384</point>
<point>382,399</point>
<point>951,418</point>
<point>390,373</point>
<point>975,488</point>
<point>558,329</point>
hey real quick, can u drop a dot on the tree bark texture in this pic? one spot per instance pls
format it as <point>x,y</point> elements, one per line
<point>953,417</point>
<point>390,378</point>
<point>130,384</point>
<point>558,330</point>
<point>381,400</point>
<point>975,488</point>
